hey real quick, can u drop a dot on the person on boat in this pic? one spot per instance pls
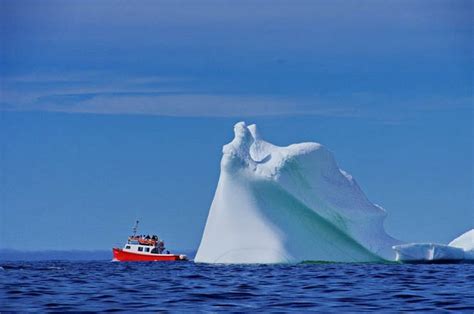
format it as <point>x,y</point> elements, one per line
<point>161,246</point>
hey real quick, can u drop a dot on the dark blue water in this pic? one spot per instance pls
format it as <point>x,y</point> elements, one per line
<point>185,286</point>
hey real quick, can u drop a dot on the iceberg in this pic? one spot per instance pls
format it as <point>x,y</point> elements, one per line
<point>289,204</point>
<point>459,250</point>
<point>428,252</point>
<point>465,242</point>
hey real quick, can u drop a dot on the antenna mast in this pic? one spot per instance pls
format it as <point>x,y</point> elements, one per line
<point>135,227</point>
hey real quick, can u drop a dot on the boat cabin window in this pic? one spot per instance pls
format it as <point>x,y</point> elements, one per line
<point>127,247</point>
<point>140,249</point>
<point>147,249</point>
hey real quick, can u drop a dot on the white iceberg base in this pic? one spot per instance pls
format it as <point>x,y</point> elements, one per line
<point>428,253</point>
<point>460,249</point>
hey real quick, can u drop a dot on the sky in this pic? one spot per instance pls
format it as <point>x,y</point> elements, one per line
<point>112,110</point>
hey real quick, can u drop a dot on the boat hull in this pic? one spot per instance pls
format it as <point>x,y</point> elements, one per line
<point>124,256</point>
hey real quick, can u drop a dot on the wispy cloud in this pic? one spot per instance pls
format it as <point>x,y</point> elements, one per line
<point>171,96</point>
<point>196,105</point>
<point>149,95</point>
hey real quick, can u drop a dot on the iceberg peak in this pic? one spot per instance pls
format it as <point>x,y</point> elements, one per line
<point>254,131</point>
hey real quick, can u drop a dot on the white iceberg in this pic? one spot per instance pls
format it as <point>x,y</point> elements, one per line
<point>427,252</point>
<point>458,250</point>
<point>289,204</point>
<point>465,242</point>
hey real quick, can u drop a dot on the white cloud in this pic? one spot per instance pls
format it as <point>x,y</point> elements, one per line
<point>194,105</point>
<point>149,95</point>
<point>90,92</point>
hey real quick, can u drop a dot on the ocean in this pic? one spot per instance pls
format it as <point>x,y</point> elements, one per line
<point>186,286</point>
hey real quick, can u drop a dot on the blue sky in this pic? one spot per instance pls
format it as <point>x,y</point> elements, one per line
<point>114,110</point>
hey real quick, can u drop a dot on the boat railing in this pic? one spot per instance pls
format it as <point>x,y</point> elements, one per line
<point>142,241</point>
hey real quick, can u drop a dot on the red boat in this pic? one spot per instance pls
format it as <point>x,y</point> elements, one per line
<point>145,249</point>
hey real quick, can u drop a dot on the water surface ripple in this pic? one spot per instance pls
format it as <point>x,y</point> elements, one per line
<point>185,286</point>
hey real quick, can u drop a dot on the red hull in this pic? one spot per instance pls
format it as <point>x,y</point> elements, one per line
<point>122,256</point>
